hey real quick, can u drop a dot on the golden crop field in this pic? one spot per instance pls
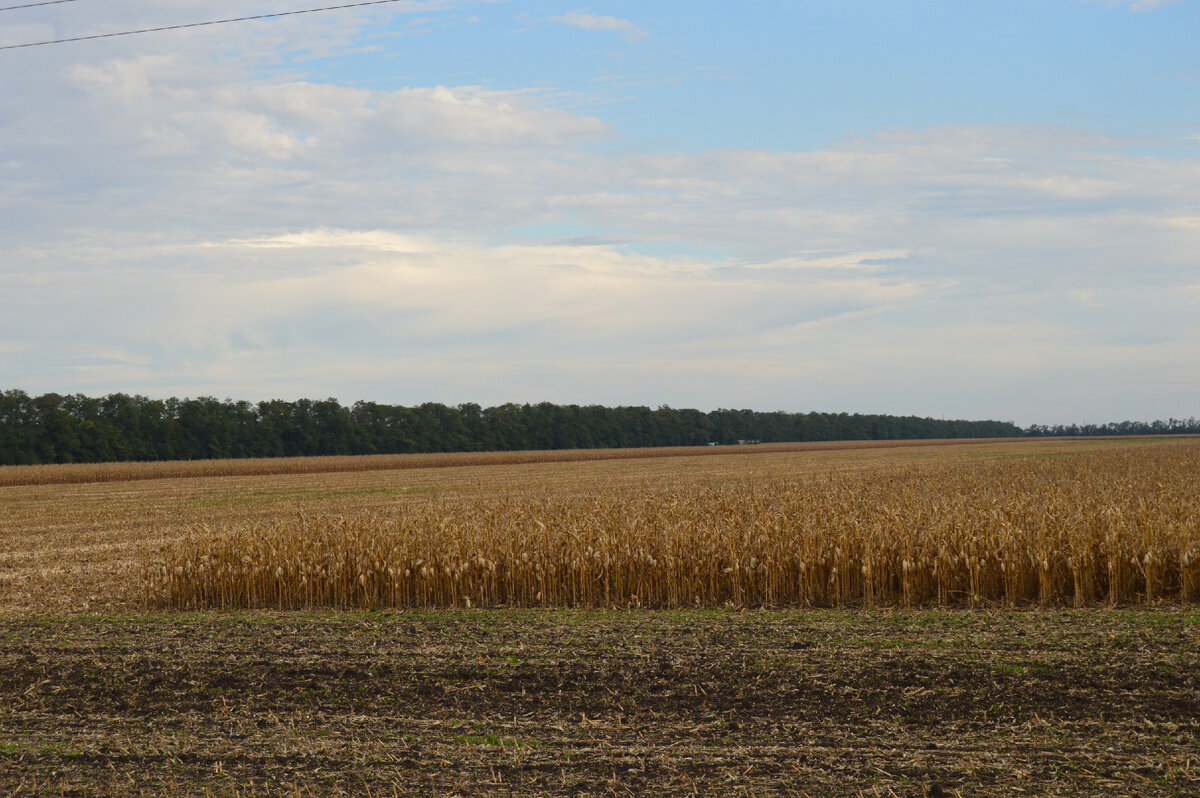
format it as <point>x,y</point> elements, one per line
<point>963,523</point>
<point>80,473</point>
<point>840,658</point>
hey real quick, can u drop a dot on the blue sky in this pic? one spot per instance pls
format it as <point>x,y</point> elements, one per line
<point>804,74</point>
<point>976,210</point>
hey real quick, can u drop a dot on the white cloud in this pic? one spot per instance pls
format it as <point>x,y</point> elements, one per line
<point>875,261</point>
<point>145,97</point>
<point>202,227</point>
<point>338,297</point>
<point>585,21</point>
<point>366,240</point>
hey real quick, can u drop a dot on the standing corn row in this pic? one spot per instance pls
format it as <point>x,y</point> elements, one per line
<point>1116,526</point>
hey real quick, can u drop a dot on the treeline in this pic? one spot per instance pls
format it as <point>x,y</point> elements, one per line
<point>55,428</point>
<point>1173,426</point>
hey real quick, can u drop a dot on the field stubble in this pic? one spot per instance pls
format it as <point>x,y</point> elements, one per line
<point>903,703</point>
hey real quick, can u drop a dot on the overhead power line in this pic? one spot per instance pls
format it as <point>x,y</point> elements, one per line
<point>35,5</point>
<point>193,24</point>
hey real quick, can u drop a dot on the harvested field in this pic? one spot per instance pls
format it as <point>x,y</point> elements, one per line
<point>884,701</point>
<point>820,702</point>
<point>136,471</point>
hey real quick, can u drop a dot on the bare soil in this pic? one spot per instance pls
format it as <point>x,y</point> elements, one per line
<point>825,702</point>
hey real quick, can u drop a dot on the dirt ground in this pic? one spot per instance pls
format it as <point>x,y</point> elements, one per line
<point>824,702</point>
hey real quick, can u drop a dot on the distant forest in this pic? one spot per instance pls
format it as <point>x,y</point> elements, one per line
<point>1173,426</point>
<point>55,428</point>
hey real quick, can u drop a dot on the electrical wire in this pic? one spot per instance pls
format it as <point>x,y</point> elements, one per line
<point>194,24</point>
<point>35,5</point>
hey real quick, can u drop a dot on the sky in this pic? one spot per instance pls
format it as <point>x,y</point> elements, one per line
<point>981,210</point>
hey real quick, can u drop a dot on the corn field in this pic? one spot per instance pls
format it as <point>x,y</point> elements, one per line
<point>1116,526</point>
<point>93,473</point>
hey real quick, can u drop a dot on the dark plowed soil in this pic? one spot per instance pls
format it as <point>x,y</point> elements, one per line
<point>596,703</point>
